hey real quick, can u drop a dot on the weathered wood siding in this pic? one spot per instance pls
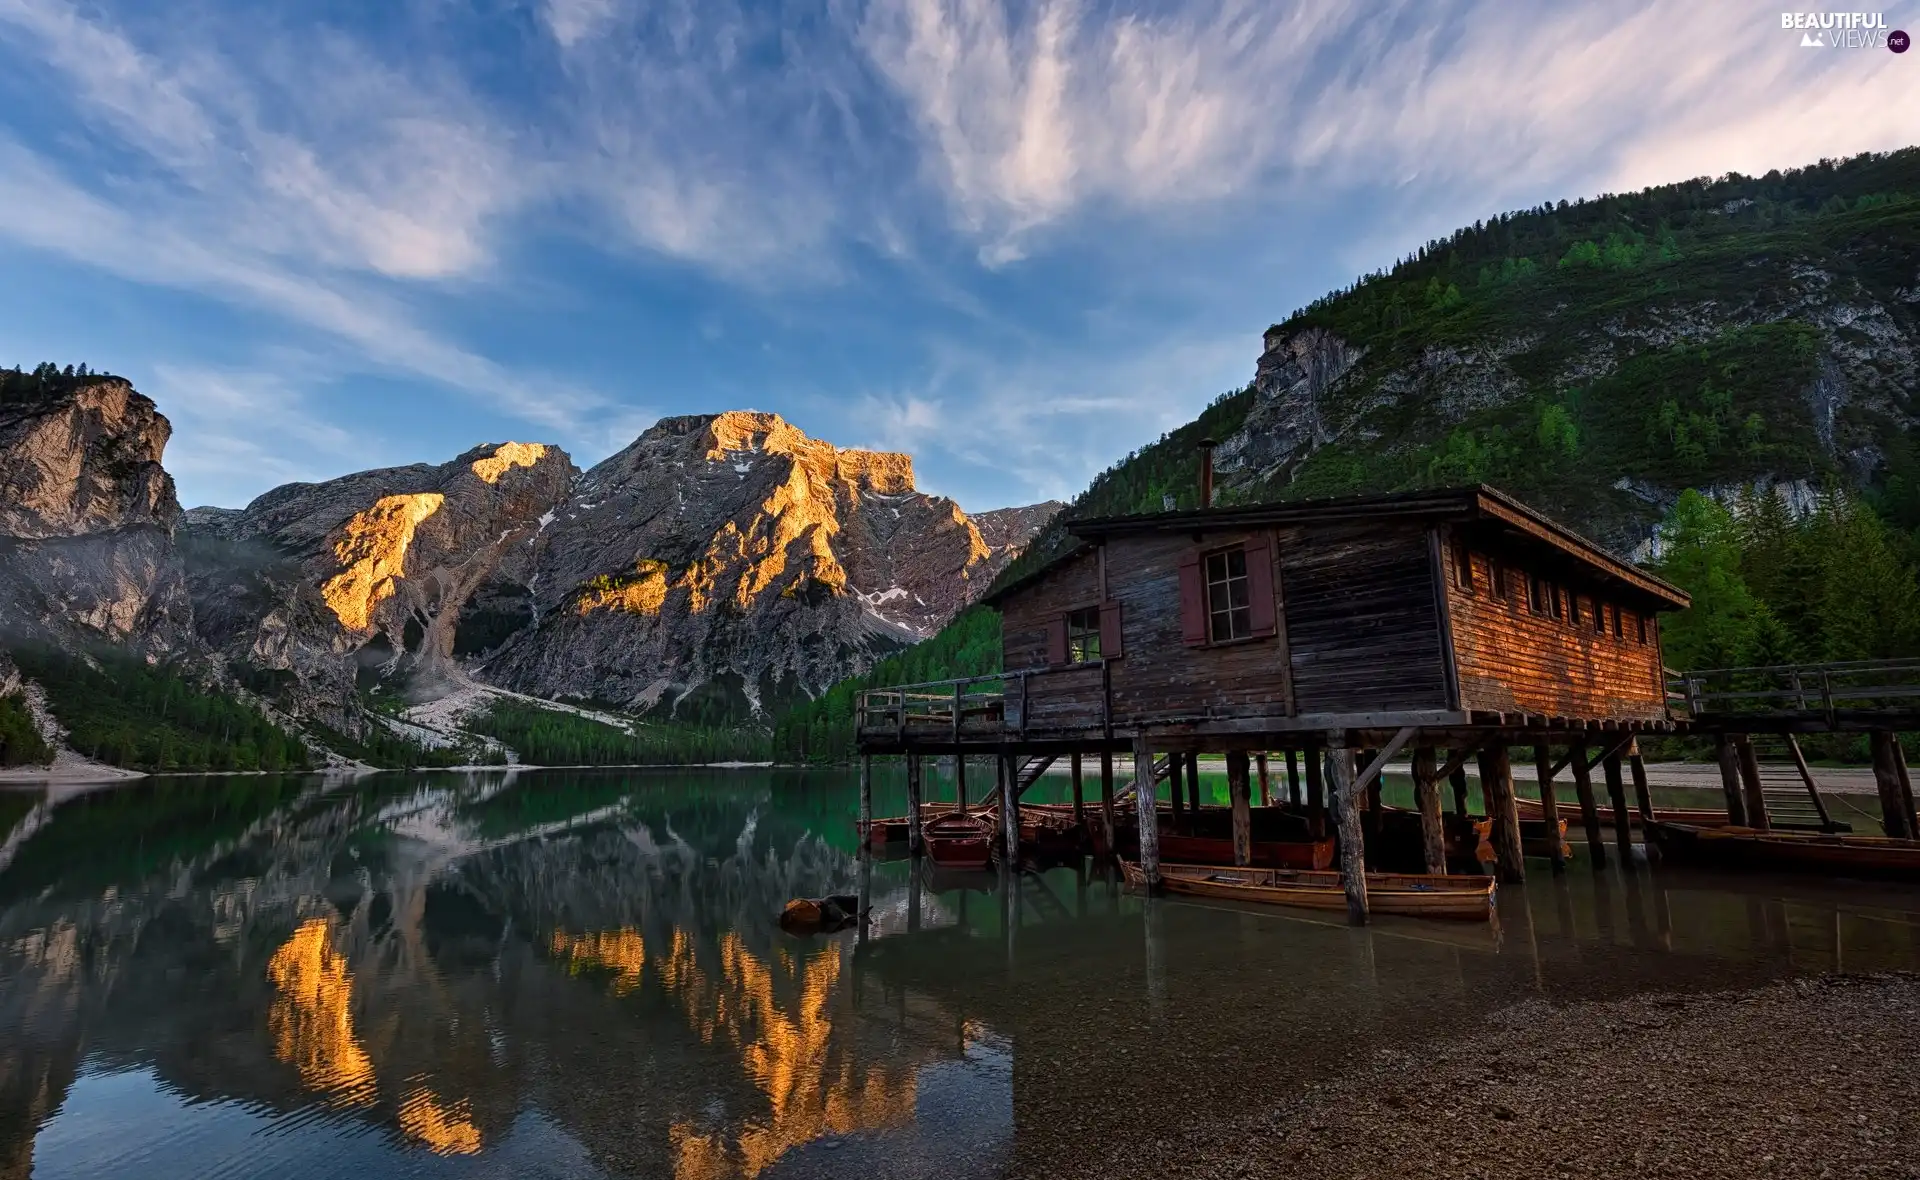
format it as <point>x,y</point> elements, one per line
<point>1065,699</point>
<point>1160,676</point>
<point>1362,618</point>
<point>1511,660</point>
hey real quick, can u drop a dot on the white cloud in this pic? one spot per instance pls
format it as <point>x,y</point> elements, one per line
<point>573,21</point>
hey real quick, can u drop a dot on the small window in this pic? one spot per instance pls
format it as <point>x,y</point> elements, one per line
<point>1463,568</point>
<point>1640,628</point>
<point>1083,636</point>
<point>1619,628</point>
<point>1229,602</point>
<point>1599,618</point>
<point>1543,597</point>
<point>1497,574</point>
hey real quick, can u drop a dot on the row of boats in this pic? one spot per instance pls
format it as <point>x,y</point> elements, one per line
<point>1292,863</point>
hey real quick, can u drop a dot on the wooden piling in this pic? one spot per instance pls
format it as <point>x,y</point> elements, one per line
<point>1266,788</point>
<point>1496,781</point>
<point>1008,773</point>
<point>1145,806</point>
<point>1617,795</point>
<point>1316,794</point>
<point>1353,850</point>
<point>1549,806</point>
<point>1589,812</point>
<point>1176,783</point>
<point>1079,797</point>
<point>1730,780</point>
<point>866,801</point>
<point>1372,785</point>
<point>1237,793</point>
<point>960,783</point>
<point>1906,787</point>
<point>1106,798</point>
<point>1193,786</point>
<point>1458,781</point>
<point>1755,798</point>
<point>915,843</point>
<point>1294,795</point>
<point>1642,797</point>
<point>1895,816</point>
<point>1426,793</point>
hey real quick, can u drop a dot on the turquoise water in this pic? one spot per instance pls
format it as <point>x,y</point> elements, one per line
<point>578,974</point>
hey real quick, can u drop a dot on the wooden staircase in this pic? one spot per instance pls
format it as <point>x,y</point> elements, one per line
<point>1793,795</point>
<point>1030,772</point>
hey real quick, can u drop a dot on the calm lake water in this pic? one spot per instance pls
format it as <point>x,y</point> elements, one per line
<point>579,974</point>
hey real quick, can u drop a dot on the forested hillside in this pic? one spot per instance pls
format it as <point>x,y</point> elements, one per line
<point>1599,358</point>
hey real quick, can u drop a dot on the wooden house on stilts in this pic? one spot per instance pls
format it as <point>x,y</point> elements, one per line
<point>1448,624</point>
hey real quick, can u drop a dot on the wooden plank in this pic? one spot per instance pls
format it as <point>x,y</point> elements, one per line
<point>1589,810</point>
<point>1266,788</point>
<point>1622,823</point>
<point>1496,782</point>
<point>1079,796</point>
<point>1756,799</point>
<point>1294,793</point>
<point>1426,793</point>
<point>1353,852</point>
<point>1006,775</point>
<point>1238,795</point>
<point>1371,775</point>
<point>1176,780</point>
<point>1458,780</point>
<point>1730,780</point>
<point>1895,819</point>
<point>915,836</point>
<point>1193,786</point>
<point>1549,806</point>
<point>1316,795</point>
<point>1106,798</point>
<point>1642,797</point>
<point>1146,809</point>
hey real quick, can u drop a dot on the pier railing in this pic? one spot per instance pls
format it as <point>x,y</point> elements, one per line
<point>1815,691</point>
<point>977,706</point>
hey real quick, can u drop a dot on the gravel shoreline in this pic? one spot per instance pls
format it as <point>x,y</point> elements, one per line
<point>1813,1077</point>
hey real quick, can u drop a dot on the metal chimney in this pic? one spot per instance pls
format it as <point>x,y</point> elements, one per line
<point>1206,472</point>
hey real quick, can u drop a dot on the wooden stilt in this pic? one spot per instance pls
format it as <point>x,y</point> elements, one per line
<point>1642,797</point>
<point>1496,780</point>
<point>1426,793</point>
<point>865,889</point>
<point>1148,810</point>
<point>1079,797</point>
<point>1193,786</point>
<point>1895,818</point>
<point>1549,806</point>
<point>1617,795</point>
<point>1906,787</point>
<point>1458,780</point>
<point>1177,785</point>
<point>1316,794</point>
<point>1294,795</point>
<point>1373,794</point>
<point>1237,795</point>
<point>960,783</point>
<point>914,890</point>
<point>915,843</point>
<point>1589,811</point>
<point>1008,772</point>
<point>866,801</point>
<point>1106,797</point>
<point>1730,780</point>
<point>1353,850</point>
<point>1756,799</point>
<point>1266,788</point>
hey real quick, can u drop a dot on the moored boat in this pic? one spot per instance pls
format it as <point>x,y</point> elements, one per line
<point>1839,855</point>
<point>1417,895</point>
<point>959,841</point>
<point>1273,854</point>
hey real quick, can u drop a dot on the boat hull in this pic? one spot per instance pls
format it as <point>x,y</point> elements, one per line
<point>1835,855</point>
<point>1276,854</point>
<point>1415,895</point>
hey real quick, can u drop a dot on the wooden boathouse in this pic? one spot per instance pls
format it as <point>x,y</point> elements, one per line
<point>1452,624</point>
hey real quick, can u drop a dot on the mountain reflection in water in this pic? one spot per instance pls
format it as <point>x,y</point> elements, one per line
<point>580,974</point>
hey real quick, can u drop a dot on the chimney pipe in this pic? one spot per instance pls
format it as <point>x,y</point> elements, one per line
<point>1206,472</point>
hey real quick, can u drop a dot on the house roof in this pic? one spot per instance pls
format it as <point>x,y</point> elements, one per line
<point>1474,504</point>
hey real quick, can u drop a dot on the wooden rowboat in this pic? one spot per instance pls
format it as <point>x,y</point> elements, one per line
<point>1272,854</point>
<point>960,841</point>
<point>1698,817</point>
<point>1838,855</point>
<point>1416,895</point>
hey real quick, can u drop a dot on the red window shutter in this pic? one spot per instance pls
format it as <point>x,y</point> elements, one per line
<point>1056,641</point>
<point>1260,613</point>
<point>1193,601</point>
<point>1110,630</point>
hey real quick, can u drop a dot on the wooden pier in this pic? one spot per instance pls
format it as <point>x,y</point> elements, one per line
<point>1442,627</point>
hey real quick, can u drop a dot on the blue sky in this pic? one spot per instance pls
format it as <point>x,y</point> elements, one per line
<point>1014,239</point>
